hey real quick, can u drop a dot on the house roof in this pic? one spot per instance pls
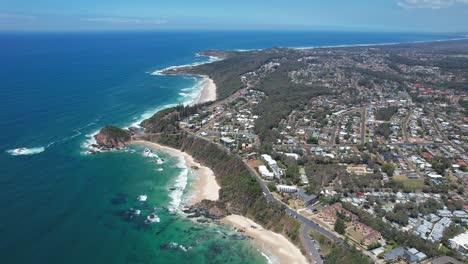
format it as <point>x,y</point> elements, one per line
<point>394,253</point>
<point>306,197</point>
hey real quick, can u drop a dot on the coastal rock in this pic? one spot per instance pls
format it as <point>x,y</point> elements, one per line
<point>201,210</point>
<point>110,137</point>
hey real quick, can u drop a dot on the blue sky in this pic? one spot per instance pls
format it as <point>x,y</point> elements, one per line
<point>368,15</point>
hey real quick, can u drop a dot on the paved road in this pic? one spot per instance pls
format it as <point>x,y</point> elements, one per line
<point>307,224</point>
<point>338,121</point>
<point>310,245</point>
<point>363,125</point>
<point>405,126</point>
<point>287,147</point>
<point>443,135</point>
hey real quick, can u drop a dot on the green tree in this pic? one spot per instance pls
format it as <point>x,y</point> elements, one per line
<point>271,186</point>
<point>340,226</point>
<point>388,168</point>
<point>312,140</point>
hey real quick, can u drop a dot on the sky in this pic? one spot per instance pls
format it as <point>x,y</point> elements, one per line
<point>351,15</point>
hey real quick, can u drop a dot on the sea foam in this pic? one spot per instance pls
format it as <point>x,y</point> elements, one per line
<point>210,60</point>
<point>37,150</point>
<point>180,184</point>
<point>25,151</point>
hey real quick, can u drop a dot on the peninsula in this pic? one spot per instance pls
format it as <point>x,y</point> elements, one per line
<point>355,154</point>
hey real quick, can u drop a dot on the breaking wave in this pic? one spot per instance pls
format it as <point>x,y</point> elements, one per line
<point>210,60</point>
<point>25,151</point>
<point>37,150</point>
<point>180,185</point>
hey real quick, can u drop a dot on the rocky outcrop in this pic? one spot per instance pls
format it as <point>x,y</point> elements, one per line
<point>206,209</point>
<point>110,137</point>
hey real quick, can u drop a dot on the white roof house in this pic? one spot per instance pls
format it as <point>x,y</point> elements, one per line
<point>268,159</point>
<point>265,173</point>
<point>460,242</point>
<point>286,188</point>
<point>292,155</point>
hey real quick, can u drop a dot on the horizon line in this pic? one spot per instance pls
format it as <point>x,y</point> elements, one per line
<point>228,30</point>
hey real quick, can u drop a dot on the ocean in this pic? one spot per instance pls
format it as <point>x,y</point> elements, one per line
<point>61,205</point>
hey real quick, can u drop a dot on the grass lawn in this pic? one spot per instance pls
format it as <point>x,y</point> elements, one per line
<point>357,235</point>
<point>411,184</point>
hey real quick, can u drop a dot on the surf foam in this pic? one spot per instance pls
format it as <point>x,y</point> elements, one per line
<point>198,63</point>
<point>25,151</point>
<point>37,150</point>
<point>180,185</point>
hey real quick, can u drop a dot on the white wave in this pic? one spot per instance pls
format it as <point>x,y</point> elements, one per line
<point>210,60</point>
<point>180,185</point>
<point>269,260</point>
<point>37,150</point>
<point>147,114</point>
<point>77,133</point>
<point>25,151</point>
<point>188,99</point>
<point>175,245</point>
<point>246,50</point>
<point>187,89</point>
<point>90,142</point>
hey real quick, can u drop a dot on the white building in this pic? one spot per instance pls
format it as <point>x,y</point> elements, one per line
<point>460,243</point>
<point>265,173</point>
<point>227,141</point>
<point>269,159</point>
<point>273,165</point>
<point>292,155</point>
<point>286,188</point>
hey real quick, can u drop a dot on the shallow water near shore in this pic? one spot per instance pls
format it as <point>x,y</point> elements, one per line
<point>60,205</point>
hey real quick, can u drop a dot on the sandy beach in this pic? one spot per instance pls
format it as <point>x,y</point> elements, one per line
<point>281,249</point>
<point>208,92</point>
<point>205,185</point>
<point>277,247</point>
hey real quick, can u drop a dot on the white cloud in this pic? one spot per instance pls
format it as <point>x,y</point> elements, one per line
<point>126,20</point>
<point>431,4</point>
<point>10,16</point>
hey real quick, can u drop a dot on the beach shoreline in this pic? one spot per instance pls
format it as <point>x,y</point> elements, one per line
<point>276,246</point>
<point>204,187</point>
<point>208,90</point>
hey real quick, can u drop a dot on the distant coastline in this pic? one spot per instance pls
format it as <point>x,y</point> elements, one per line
<point>379,44</point>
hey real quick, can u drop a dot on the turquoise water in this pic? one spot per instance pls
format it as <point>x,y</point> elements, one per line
<point>61,205</point>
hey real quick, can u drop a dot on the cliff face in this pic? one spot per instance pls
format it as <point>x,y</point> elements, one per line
<point>110,137</point>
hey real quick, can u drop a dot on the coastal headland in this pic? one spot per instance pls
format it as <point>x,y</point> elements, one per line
<point>224,187</point>
<point>267,101</point>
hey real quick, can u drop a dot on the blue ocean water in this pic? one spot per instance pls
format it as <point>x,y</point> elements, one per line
<point>56,89</point>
